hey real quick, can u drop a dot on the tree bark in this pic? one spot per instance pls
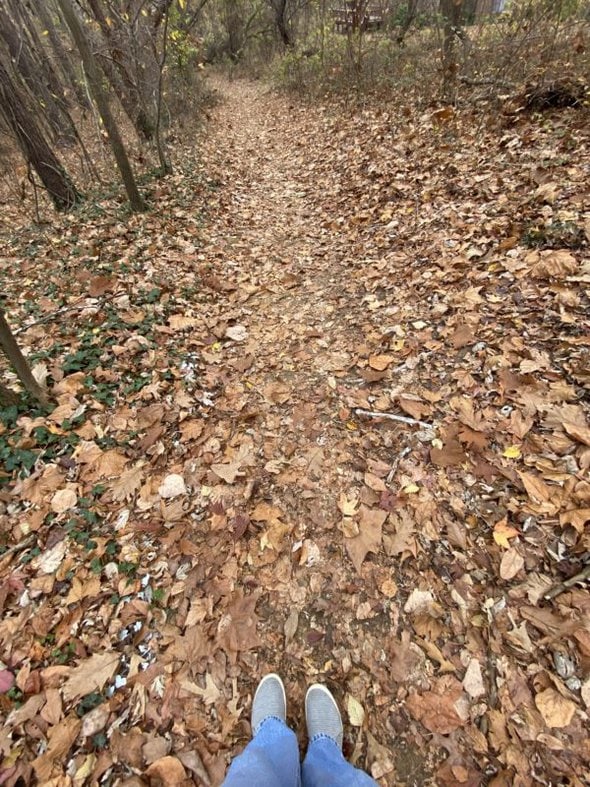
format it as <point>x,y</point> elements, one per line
<point>452,11</point>
<point>29,70</point>
<point>61,56</point>
<point>280,12</point>
<point>100,98</point>
<point>410,15</point>
<point>20,363</point>
<point>131,94</point>
<point>33,144</point>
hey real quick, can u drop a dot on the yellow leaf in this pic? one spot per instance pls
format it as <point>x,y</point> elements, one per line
<point>502,532</point>
<point>351,426</point>
<point>182,4</point>
<point>512,452</point>
<point>356,712</point>
<point>411,489</point>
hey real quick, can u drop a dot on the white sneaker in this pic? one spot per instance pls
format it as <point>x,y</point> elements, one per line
<point>322,714</point>
<point>269,700</point>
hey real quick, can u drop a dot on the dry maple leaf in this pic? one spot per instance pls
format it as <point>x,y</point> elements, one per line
<point>369,538</point>
<point>552,264</point>
<point>128,483</point>
<point>237,630</point>
<point>436,709</point>
<point>61,739</point>
<point>406,659</point>
<point>90,675</point>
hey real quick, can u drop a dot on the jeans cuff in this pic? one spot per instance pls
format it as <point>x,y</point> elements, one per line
<point>322,736</point>
<point>265,719</point>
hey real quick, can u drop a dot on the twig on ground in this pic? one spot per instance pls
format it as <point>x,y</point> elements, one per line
<point>22,545</point>
<point>561,587</point>
<point>403,419</point>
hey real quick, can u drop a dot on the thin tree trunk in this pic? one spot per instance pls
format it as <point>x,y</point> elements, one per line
<point>33,144</point>
<point>20,363</point>
<point>132,96</point>
<point>101,100</point>
<point>280,12</point>
<point>452,12</point>
<point>165,164</point>
<point>62,57</point>
<point>29,70</point>
<point>410,15</point>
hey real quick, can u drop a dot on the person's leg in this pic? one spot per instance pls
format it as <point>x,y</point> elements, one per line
<point>324,764</point>
<point>271,759</point>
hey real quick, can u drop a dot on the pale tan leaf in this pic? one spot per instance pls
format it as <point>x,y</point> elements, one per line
<point>90,675</point>
<point>172,486</point>
<point>557,711</point>
<point>356,712</point>
<point>64,500</point>
<point>511,563</point>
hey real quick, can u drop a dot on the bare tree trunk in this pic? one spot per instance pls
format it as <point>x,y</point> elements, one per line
<point>190,18</point>
<point>410,15</point>
<point>62,57</point>
<point>29,70</point>
<point>165,165</point>
<point>452,12</point>
<point>280,13</point>
<point>132,97</point>
<point>33,144</point>
<point>100,98</point>
<point>20,363</point>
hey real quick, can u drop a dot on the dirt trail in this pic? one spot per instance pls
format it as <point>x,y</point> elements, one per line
<point>275,232</point>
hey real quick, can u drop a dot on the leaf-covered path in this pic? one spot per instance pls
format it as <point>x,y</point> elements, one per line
<point>219,507</point>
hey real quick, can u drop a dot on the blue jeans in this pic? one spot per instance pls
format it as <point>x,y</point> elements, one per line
<point>271,759</point>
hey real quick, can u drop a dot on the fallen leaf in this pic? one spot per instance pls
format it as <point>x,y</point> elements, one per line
<point>473,681</point>
<point>381,362</point>
<point>356,712</point>
<point>557,711</point>
<point>369,537</point>
<point>511,563</point>
<point>6,681</point>
<point>503,532</point>
<point>61,740</point>
<point>237,333</point>
<point>436,709</point>
<point>90,675</point>
<point>554,264</point>
<point>49,561</point>
<point>512,452</point>
<point>172,486</point>
<point>64,500</point>
<point>579,433</point>
<point>167,771</point>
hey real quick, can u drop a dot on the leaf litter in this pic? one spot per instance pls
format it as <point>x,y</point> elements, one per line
<point>208,502</point>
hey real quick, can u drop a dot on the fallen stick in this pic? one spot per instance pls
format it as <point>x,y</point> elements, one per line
<point>561,587</point>
<point>403,419</point>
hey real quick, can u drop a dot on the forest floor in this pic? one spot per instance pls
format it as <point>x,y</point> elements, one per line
<point>210,500</point>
